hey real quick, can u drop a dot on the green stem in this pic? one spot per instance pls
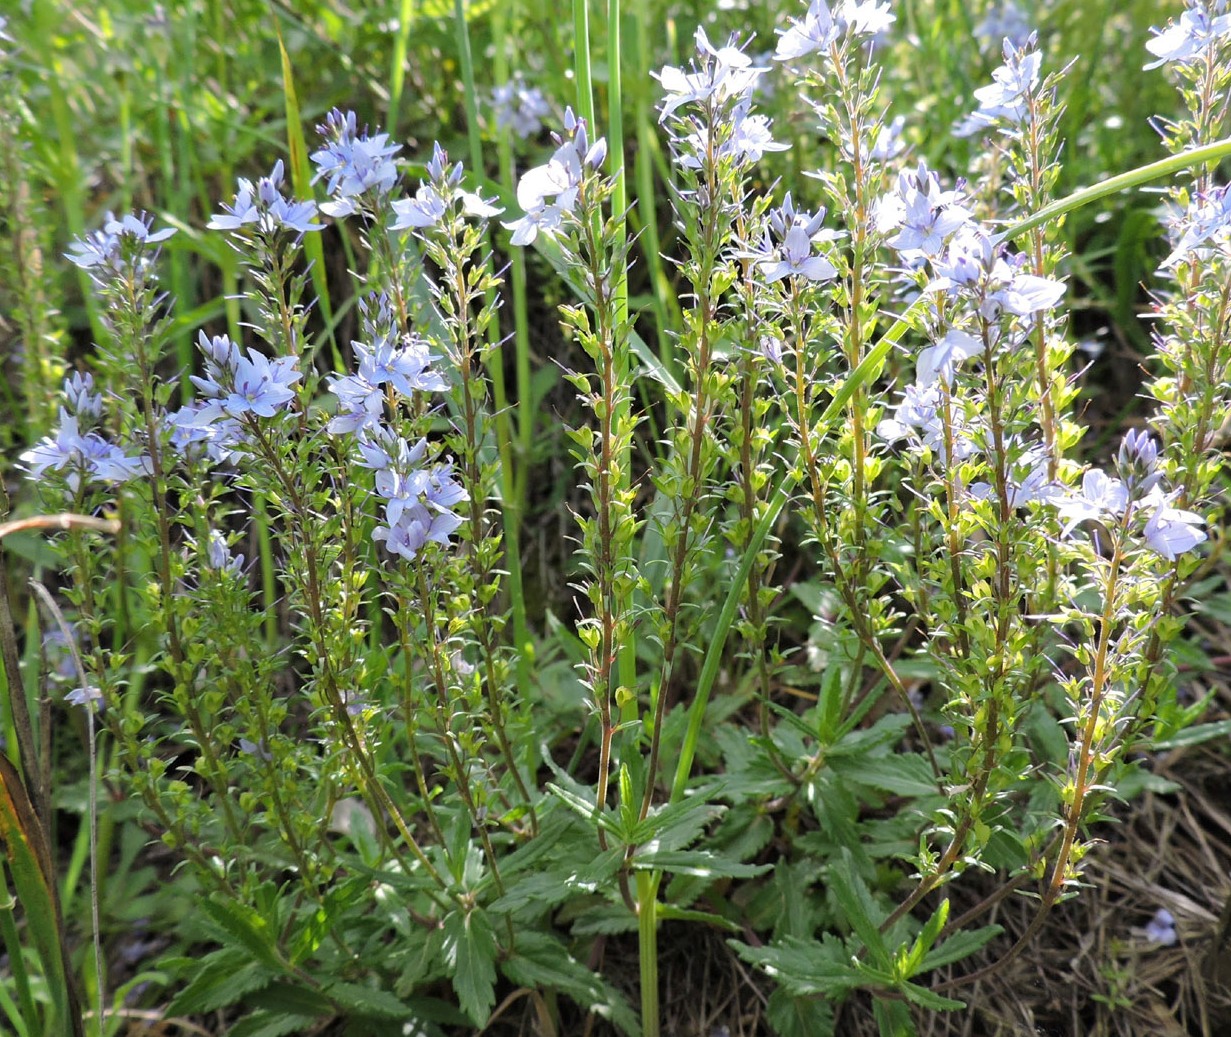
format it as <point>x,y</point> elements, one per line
<point>647,945</point>
<point>494,361</point>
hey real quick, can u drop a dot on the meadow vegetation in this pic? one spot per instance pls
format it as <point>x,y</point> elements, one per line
<point>500,497</point>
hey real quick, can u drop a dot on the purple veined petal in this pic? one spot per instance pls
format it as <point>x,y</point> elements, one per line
<point>940,361</point>
<point>1027,294</point>
<point>1172,532</point>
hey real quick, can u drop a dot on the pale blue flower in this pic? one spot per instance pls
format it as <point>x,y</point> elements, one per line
<point>1170,531</point>
<point>412,523</point>
<point>89,696</point>
<point>924,214</point>
<point>80,399</point>
<point>818,31</point>
<point>795,257</point>
<point>1161,928</point>
<point>236,386</point>
<point>887,142</point>
<point>547,193</point>
<point>425,209</point>
<point>973,263</point>
<point>1101,498</point>
<point>1024,295</point>
<point>821,28</point>
<point>83,457</point>
<point>220,440</point>
<point>1137,462</point>
<point>968,256</point>
<point>219,556</point>
<point>938,362</point>
<point>918,420</point>
<point>407,368</point>
<point>1021,489</point>
<point>1005,21</point>
<point>1012,85</point>
<point>437,194</point>
<point>119,242</point>
<point>255,749</point>
<point>747,141</point>
<point>719,74</point>
<point>265,209</point>
<point>1197,30</point>
<point>1207,221</point>
<point>519,107</point>
<point>354,164</point>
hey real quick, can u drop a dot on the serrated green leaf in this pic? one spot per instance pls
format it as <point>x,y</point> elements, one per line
<point>225,979</point>
<point>541,962</point>
<point>677,825</point>
<point>902,774</point>
<point>791,1016</point>
<point>292,998</point>
<point>805,967</point>
<point>925,998</point>
<point>366,1001</point>
<point>859,909</point>
<point>960,945</point>
<point>273,1024</point>
<point>669,912</point>
<point>926,938</point>
<point>893,1019</point>
<point>470,951</point>
<point>700,863</point>
<point>887,730</point>
<point>246,926</point>
<point>585,809</point>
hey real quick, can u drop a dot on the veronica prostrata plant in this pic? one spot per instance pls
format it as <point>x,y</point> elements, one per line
<point>299,645</point>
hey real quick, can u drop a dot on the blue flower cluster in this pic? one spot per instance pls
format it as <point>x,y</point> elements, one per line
<point>719,90</point>
<point>263,209</point>
<point>236,389</point>
<point>821,28</point>
<point>548,193</point>
<point>437,194</point>
<point>793,257</point>
<point>355,166</point>
<point>418,496</point>
<point>1200,28</point>
<point>386,365</point>
<point>519,107</point>
<point>76,450</point>
<point>1013,84</point>
<point>118,246</point>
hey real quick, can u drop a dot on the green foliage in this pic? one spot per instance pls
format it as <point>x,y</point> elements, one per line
<point>705,643</point>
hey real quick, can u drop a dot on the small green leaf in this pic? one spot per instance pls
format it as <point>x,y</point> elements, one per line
<point>541,962</point>
<point>367,1001</point>
<point>960,945</point>
<point>700,863</point>
<point>224,979</point>
<point>470,951</point>
<point>273,1024</point>
<point>903,774</point>
<point>859,909</point>
<point>249,928</point>
<point>799,1016</point>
